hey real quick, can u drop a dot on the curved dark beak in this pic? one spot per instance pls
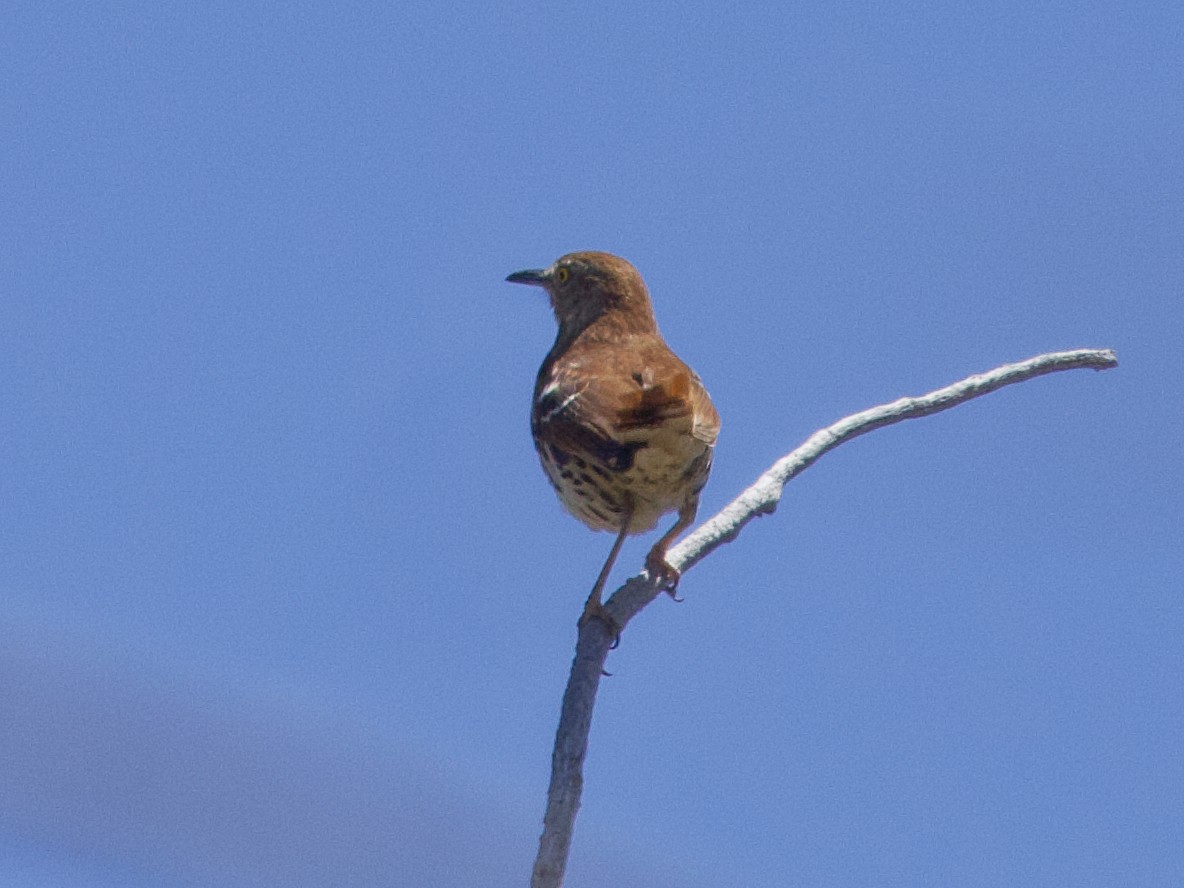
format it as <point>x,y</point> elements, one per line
<point>536,276</point>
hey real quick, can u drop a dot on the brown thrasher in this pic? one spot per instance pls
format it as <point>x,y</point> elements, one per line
<point>623,428</point>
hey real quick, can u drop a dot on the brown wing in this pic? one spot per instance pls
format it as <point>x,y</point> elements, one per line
<point>706,426</point>
<point>610,413</point>
<point>669,393</point>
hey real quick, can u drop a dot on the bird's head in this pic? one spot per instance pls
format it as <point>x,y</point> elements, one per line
<point>586,287</point>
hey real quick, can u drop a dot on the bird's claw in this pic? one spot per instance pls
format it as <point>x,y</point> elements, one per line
<point>665,573</point>
<point>594,610</point>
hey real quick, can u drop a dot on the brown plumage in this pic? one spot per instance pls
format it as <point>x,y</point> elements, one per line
<point>623,428</point>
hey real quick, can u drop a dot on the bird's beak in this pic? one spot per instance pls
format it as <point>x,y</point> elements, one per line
<point>537,277</point>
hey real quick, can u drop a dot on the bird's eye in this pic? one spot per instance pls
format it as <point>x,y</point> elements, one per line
<point>562,274</point>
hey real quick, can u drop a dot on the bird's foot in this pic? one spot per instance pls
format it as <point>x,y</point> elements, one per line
<point>664,572</point>
<point>594,610</point>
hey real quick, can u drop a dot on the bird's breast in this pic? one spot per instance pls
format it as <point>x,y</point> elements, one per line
<point>663,474</point>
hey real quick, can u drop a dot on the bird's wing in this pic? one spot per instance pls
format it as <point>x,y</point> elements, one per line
<point>663,391</point>
<point>610,412</point>
<point>706,425</point>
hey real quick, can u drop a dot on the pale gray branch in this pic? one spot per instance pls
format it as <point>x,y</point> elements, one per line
<point>762,497</point>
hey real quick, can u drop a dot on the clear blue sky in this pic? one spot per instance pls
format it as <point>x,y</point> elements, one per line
<point>286,599</point>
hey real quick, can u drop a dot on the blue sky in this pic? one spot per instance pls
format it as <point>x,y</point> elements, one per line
<point>286,597</point>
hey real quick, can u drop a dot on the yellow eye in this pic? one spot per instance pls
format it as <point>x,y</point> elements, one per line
<point>562,274</point>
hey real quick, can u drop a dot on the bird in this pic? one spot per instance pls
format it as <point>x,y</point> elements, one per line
<point>625,431</point>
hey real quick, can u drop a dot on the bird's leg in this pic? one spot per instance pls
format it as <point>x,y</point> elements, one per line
<point>593,608</point>
<point>655,562</point>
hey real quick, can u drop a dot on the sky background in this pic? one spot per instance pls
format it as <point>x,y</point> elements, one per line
<point>285,598</point>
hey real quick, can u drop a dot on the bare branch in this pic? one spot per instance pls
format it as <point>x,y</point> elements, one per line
<point>761,498</point>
